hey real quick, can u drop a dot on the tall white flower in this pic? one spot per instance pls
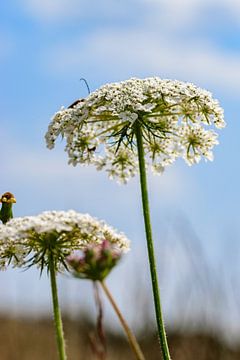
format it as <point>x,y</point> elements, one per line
<point>101,129</point>
<point>29,240</point>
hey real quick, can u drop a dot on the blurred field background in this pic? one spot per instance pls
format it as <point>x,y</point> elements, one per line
<point>45,48</point>
<point>28,339</point>
<point>201,307</point>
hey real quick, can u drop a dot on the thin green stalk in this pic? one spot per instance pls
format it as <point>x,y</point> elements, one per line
<point>56,311</point>
<point>151,256</point>
<point>131,338</point>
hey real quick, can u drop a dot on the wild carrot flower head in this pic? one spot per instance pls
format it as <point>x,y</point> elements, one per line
<point>96,261</point>
<point>176,120</point>
<point>30,240</point>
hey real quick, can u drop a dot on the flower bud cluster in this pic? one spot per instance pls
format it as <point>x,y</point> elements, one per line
<point>96,262</point>
<point>176,120</point>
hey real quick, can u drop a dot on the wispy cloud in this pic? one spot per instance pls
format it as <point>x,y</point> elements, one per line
<point>64,10</point>
<point>136,52</point>
<point>188,13</point>
<point>158,40</point>
<point>172,13</point>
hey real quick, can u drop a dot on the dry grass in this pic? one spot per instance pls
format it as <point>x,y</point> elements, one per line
<point>34,340</point>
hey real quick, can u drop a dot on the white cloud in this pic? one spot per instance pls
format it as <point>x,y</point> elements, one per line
<point>186,13</point>
<point>173,14</point>
<point>53,10</point>
<point>133,52</point>
<point>64,10</point>
<point>152,44</point>
<point>170,13</point>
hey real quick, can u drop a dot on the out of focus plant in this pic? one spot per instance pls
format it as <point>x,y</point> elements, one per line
<point>95,263</point>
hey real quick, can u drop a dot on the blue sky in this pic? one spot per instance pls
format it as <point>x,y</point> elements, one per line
<point>45,48</point>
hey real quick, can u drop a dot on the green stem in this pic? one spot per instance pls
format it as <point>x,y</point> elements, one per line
<point>131,338</point>
<point>56,311</point>
<point>151,256</point>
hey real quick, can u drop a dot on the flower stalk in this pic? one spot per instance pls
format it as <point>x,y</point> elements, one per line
<point>95,264</point>
<point>131,338</point>
<point>150,246</point>
<point>56,310</point>
<point>100,351</point>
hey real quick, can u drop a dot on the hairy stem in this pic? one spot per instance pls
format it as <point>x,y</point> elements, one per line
<point>151,256</point>
<point>131,338</point>
<point>56,311</point>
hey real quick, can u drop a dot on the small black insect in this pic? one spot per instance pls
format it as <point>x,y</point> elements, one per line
<point>79,100</point>
<point>92,149</point>
<point>75,103</point>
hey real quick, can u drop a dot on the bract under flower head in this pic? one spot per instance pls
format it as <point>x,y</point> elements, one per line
<point>29,240</point>
<point>174,116</point>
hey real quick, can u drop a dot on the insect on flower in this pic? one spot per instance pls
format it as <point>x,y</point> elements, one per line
<point>75,103</point>
<point>80,100</point>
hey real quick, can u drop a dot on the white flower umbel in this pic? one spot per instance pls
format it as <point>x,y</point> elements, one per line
<point>30,239</point>
<point>46,240</point>
<point>101,129</point>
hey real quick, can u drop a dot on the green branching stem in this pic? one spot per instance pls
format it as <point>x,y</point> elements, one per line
<point>56,310</point>
<point>131,338</point>
<point>151,256</point>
